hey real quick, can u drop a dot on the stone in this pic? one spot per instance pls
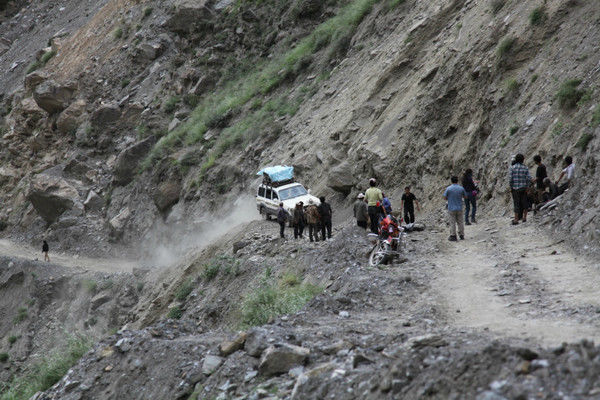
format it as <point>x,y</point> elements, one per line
<point>52,97</point>
<point>173,124</point>
<point>117,224</point>
<point>527,354</point>
<point>123,345</point>
<point>237,246</point>
<point>189,15</point>
<point>489,395</point>
<point>341,179</point>
<point>71,117</point>
<point>99,299</point>
<point>430,340</point>
<point>308,382</point>
<point>167,194</point>
<point>5,45</point>
<point>32,80</point>
<point>211,364</point>
<point>148,51</point>
<point>203,84</point>
<point>8,175</point>
<point>256,341</point>
<point>51,196</point>
<point>231,346</point>
<point>93,202</point>
<point>280,358</point>
<point>105,115</point>
<point>30,110</point>
<point>127,161</point>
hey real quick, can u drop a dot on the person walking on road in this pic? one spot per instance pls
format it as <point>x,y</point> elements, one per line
<point>298,220</point>
<point>519,179</point>
<point>360,211</point>
<point>455,194</point>
<point>407,204</point>
<point>45,250</point>
<point>325,213</point>
<point>471,200</point>
<point>373,196</point>
<point>282,217</point>
<point>312,219</point>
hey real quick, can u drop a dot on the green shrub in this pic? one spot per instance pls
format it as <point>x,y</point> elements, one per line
<point>4,357</point>
<point>568,95</point>
<point>584,140</point>
<point>537,16</point>
<point>505,46</point>
<point>184,290</point>
<point>497,5</point>
<point>512,85</point>
<point>596,116</point>
<point>171,104</point>
<point>513,129</point>
<point>272,300</point>
<point>394,3</point>
<point>147,12</point>
<point>21,315</point>
<point>117,33</point>
<point>47,56</point>
<point>33,66</point>
<point>534,78</point>
<point>107,284</point>
<point>125,82</point>
<point>175,313</point>
<point>191,99</point>
<point>91,285</point>
<point>44,374</point>
<point>558,129</point>
<point>12,339</point>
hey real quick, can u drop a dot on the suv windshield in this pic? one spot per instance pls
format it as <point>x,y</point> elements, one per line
<point>292,192</point>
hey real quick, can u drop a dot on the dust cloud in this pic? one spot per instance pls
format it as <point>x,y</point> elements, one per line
<point>167,244</point>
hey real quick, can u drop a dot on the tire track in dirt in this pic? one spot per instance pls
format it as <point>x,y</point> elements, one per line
<point>468,273</point>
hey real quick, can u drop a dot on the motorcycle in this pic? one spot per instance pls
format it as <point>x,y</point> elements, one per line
<point>387,245</point>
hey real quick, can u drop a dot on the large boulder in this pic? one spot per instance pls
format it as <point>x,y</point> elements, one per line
<point>93,202</point>
<point>341,179</point>
<point>4,45</point>
<point>105,115</point>
<point>189,15</point>
<point>280,358</point>
<point>53,97</point>
<point>71,117</point>
<point>128,160</point>
<point>118,223</point>
<point>51,196</point>
<point>167,194</point>
<point>33,79</point>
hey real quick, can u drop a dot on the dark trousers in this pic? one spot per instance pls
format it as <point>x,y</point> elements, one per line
<point>374,217</point>
<point>312,229</point>
<point>409,215</point>
<point>470,205</point>
<point>281,228</point>
<point>298,230</point>
<point>326,226</point>
<point>520,202</point>
<point>362,224</point>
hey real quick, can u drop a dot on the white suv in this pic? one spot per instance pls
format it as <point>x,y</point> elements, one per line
<point>268,198</point>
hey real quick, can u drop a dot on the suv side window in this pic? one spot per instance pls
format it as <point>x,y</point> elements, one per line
<point>261,192</point>
<point>268,194</point>
<point>275,197</point>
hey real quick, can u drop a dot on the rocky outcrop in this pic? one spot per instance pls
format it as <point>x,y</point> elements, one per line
<point>93,202</point>
<point>167,194</point>
<point>53,97</point>
<point>51,196</point>
<point>128,160</point>
<point>280,358</point>
<point>341,179</point>
<point>189,15</point>
<point>71,117</point>
<point>33,79</point>
<point>105,115</point>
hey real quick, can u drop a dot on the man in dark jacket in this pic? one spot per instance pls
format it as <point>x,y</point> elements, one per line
<point>360,211</point>
<point>282,217</point>
<point>298,220</point>
<point>312,219</point>
<point>325,214</point>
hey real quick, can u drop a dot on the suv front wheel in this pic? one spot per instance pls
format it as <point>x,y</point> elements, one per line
<point>265,214</point>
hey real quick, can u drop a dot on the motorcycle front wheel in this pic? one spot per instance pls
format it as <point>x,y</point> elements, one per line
<point>378,255</point>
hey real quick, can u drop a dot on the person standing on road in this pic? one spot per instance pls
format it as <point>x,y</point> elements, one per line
<point>386,204</point>
<point>282,217</point>
<point>407,204</point>
<point>471,200</point>
<point>325,213</point>
<point>312,219</point>
<point>569,171</point>
<point>519,179</point>
<point>45,250</point>
<point>360,211</point>
<point>455,194</point>
<point>373,195</point>
<point>298,220</point>
<point>540,175</point>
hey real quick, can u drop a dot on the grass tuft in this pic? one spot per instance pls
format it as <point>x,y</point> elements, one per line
<point>512,85</point>
<point>537,16</point>
<point>583,141</point>
<point>21,315</point>
<point>596,116</point>
<point>505,46</point>
<point>4,357</point>
<point>496,6</point>
<point>568,95</point>
<point>184,290</point>
<point>174,313</point>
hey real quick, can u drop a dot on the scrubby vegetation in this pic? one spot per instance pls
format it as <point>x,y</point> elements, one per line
<point>46,372</point>
<point>273,299</point>
<point>596,116</point>
<point>537,16</point>
<point>37,64</point>
<point>505,46</point>
<point>584,140</point>
<point>175,312</point>
<point>496,6</point>
<point>184,290</point>
<point>226,264</point>
<point>568,94</point>
<point>21,315</point>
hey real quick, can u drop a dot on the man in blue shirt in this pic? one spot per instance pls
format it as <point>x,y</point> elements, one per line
<point>455,195</point>
<point>519,179</point>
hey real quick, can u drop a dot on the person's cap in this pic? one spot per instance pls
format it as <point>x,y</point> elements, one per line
<point>373,180</point>
<point>360,196</point>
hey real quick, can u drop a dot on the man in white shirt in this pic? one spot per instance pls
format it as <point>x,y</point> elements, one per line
<point>569,171</point>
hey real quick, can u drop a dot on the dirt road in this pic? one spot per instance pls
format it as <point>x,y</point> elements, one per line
<point>10,249</point>
<point>516,281</point>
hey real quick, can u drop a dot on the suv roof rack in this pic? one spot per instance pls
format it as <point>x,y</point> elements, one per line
<point>267,182</point>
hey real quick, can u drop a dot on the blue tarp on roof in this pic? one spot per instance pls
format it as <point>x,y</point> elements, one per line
<point>278,173</point>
